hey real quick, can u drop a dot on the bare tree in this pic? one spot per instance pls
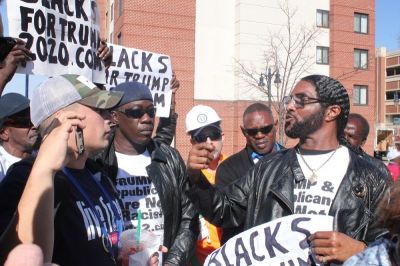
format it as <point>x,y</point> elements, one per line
<point>288,51</point>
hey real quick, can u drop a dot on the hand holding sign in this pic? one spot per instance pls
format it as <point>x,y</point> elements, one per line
<point>329,246</point>
<point>105,53</point>
<point>19,54</point>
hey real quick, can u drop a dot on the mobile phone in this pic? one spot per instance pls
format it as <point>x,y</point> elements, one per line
<point>6,45</point>
<point>79,140</point>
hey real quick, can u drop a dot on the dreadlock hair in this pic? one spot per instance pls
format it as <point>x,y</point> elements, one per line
<point>332,92</point>
<point>257,107</point>
<point>363,122</point>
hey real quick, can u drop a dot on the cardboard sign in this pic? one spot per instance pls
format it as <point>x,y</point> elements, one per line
<point>279,242</point>
<point>63,36</point>
<point>151,69</point>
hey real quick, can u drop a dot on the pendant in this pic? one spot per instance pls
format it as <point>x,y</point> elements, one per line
<point>313,178</point>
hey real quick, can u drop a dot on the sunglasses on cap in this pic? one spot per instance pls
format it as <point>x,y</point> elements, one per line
<point>203,136</point>
<point>138,113</point>
<point>19,122</point>
<point>254,131</point>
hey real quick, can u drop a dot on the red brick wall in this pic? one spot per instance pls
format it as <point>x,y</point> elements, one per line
<point>343,41</point>
<point>393,61</point>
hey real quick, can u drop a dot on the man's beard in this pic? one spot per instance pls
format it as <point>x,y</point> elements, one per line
<point>309,125</point>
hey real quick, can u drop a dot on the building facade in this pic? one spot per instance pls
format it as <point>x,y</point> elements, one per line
<point>388,93</point>
<point>214,43</point>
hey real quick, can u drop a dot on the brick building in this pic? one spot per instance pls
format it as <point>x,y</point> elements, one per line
<point>206,38</point>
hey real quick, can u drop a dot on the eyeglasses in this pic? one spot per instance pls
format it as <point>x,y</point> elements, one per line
<point>202,137</point>
<point>19,122</point>
<point>138,113</point>
<point>300,102</point>
<point>254,131</point>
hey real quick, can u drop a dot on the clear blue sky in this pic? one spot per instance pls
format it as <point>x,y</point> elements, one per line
<point>387,34</point>
<point>387,30</point>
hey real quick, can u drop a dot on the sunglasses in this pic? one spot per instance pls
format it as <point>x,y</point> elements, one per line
<point>19,122</point>
<point>254,131</point>
<point>138,113</point>
<point>202,137</point>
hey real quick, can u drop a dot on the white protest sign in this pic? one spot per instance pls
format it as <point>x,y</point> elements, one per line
<point>63,36</point>
<point>279,242</point>
<point>151,69</point>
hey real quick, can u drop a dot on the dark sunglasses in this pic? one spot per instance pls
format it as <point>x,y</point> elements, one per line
<point>254,131</point>
<point>138,113</point>
<point>20,122</point>
<point>202,137</point>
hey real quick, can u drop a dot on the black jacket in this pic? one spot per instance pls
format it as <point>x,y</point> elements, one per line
<point>266,193</point>
<point>168,173</point>
<point>230,170</point>
<point>236,166</point>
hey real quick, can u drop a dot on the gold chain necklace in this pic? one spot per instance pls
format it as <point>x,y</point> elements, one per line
<point>313,177</point>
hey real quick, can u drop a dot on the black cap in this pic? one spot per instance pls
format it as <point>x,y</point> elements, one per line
<point>11,104</point>
<point>133,91</point>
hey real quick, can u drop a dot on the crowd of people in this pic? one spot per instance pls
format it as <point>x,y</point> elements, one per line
<point>81,166</point>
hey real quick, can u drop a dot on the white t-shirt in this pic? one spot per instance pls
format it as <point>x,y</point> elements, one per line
<point>316,198</point>
<point>6,160</point>
<point>137,191</point>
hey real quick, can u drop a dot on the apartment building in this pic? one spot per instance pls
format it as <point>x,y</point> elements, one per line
<point>208,40</point>
<point>388,94</point>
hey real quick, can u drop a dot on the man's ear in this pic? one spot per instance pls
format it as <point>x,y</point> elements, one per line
<point>332,112</point>
<point>4,134</point>
<point>114,117</point>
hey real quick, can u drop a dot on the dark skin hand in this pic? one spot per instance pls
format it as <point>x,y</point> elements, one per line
<point>329,246</point>
<point>200,157</point>
<point>104,53</point>
<point>18,55</point>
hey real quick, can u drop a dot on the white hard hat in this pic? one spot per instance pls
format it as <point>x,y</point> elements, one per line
<point>200,116</point>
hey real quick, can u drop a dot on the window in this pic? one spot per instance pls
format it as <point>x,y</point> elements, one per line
<point>120,39</point>
<point>360,58</point>
<point>393,71</point>
<point>119,7</point>
<point>322,55</point>
<point>322,18</point>
<point>112,12</point>
<point>360,95</point>
<point>361,23</point>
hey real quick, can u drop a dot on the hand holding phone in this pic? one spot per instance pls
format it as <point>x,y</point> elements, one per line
<point>79,140</point>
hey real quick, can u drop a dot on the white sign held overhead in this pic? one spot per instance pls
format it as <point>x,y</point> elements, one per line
<point>63,36</point>
<point>151,69</point>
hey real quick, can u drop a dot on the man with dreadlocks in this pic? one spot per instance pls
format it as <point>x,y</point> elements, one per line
<point>322,165</point>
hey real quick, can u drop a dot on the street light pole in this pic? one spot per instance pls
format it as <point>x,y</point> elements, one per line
<point>268,76</point>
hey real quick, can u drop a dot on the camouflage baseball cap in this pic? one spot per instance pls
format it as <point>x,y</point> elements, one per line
<point>60,91</point>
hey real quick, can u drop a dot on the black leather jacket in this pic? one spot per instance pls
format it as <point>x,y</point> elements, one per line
<point>168,173</point>
<point>266,193</point>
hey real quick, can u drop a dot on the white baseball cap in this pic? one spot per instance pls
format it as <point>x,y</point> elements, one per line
<point>200,116</point>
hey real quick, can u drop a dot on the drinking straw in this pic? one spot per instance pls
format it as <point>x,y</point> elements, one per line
<point>139,228</point>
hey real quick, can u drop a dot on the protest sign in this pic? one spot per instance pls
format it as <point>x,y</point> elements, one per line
<point>63,36</point>
<point>151,69</point>
<point>279,242</point>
